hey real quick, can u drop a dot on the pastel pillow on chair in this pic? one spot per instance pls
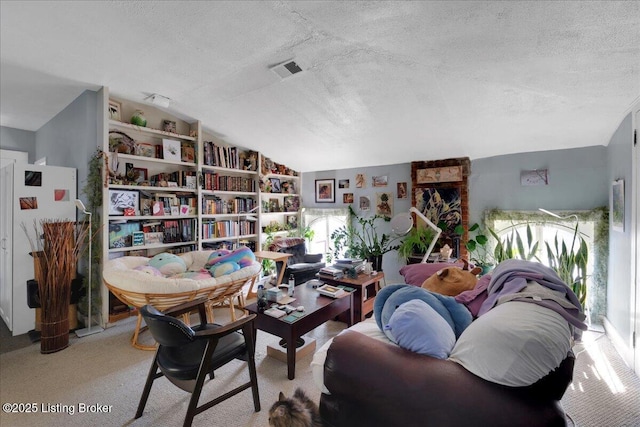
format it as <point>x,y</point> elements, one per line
<point>417,327</point>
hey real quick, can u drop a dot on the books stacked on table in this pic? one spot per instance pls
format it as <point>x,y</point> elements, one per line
<point>330,271</point>
<point>348,263</point>
<point>330,291</point>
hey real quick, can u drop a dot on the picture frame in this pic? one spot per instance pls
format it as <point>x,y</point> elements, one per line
<point>361,180</point>
<point>402,190</point>
<point>347,198</point>
<point>115,110</point>
<point>364,203</point>
<point>343,183</point>
<point>171,150</point>
<point>169,126</point>
<point>123,200</point>
<point>439,174</point>
<point>275,185</point>
<point>379,181</point>
<point>617,205</point>
<point>141,175</point>
<point>384,204</point>
<point>325,190</point>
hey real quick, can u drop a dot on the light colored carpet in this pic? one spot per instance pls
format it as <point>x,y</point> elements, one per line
<point>604,392</point>
<point>104,369</point>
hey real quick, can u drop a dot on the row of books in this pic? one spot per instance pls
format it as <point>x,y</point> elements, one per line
<point>216,205</point>
<point>214,229</point>
<point>184,179</point>
<point>218,155</point>
<point>216,182</point>
<point>179,230</point>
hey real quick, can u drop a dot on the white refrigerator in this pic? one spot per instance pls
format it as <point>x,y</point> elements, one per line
<point>28,193</point>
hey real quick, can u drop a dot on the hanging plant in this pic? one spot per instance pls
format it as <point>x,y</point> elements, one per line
<point>93,191</point>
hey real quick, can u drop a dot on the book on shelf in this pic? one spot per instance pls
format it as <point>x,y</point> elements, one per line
<point>330,291</point>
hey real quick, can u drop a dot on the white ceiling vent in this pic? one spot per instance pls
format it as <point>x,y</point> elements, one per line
<point>286,69</point>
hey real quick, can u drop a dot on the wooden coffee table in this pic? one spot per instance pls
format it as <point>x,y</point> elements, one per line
<point>366,288</point>
<point>318,309</point>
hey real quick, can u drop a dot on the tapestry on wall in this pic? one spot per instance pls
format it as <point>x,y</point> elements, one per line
<point>440,192</point>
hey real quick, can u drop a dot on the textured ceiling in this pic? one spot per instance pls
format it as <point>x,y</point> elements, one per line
<point>383,82</point>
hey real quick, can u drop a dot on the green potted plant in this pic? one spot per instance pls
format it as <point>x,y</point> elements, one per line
<point>477,245</point>
<point>416,242</point>
<point>360,239</point>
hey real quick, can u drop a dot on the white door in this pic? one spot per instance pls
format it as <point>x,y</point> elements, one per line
<point>636,200</point>
<point>6,242</point>
<point>9,156</point>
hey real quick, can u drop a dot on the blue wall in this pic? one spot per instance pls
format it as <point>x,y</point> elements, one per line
<point>19,140</point>
<point>619,303</point>
<point>394,173</point>
<point>578,180</point>
<point>71,138</point>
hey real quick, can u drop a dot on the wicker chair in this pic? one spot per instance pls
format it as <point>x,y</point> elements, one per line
<point>137,289</point>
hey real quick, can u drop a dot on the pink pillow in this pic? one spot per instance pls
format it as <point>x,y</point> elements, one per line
<point>416,274</point>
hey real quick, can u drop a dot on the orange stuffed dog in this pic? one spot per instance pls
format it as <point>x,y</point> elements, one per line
<point>452,280</point>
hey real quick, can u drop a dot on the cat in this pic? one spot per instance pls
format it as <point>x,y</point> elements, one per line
<point>297,411</point>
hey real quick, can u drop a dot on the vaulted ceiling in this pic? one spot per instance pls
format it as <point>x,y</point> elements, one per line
<point>382,82</point>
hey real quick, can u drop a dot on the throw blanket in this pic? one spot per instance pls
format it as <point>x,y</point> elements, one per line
<point>511,276</point>
<point>285,242</point>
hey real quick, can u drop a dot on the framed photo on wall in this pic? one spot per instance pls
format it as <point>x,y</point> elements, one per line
<point>325,190</point>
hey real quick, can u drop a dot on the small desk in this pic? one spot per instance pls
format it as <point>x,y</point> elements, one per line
<point>318,309</point>
<point>366,288</point>
<point>273,256</point>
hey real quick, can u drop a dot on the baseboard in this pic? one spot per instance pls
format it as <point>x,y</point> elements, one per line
<point>618,343</point>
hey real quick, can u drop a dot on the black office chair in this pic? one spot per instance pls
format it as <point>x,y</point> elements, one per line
<point>186,355</point>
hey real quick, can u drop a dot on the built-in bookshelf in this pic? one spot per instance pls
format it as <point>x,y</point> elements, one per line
<point>171,187</point>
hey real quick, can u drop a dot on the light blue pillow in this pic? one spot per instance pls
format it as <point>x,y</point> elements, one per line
<point>417,327</point>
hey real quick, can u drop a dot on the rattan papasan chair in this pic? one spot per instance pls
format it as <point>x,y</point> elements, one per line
<point>137,288</point>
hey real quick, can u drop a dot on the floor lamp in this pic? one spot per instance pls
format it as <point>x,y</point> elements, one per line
<point>88,330</point>
<point>402,223</point>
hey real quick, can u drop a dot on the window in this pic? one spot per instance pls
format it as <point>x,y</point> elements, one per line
<point>592,226</point>
<point>323,222</point>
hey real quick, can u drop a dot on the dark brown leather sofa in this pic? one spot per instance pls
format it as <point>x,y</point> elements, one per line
<point>373,383</point>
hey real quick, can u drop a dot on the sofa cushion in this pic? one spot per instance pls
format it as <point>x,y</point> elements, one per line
<point>417,327</point>
<point>514,344</point>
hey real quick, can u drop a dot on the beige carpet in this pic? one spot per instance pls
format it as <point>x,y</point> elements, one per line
<point>104,369</point>
<point>605,392</point>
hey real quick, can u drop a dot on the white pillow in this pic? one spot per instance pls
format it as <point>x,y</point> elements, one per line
<point>514,344</point>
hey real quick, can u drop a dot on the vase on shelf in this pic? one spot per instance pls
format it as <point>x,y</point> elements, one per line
<point>138,119</point>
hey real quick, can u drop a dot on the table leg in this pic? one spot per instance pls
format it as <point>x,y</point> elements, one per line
<point>291,356</point>
<point>283,267</point>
